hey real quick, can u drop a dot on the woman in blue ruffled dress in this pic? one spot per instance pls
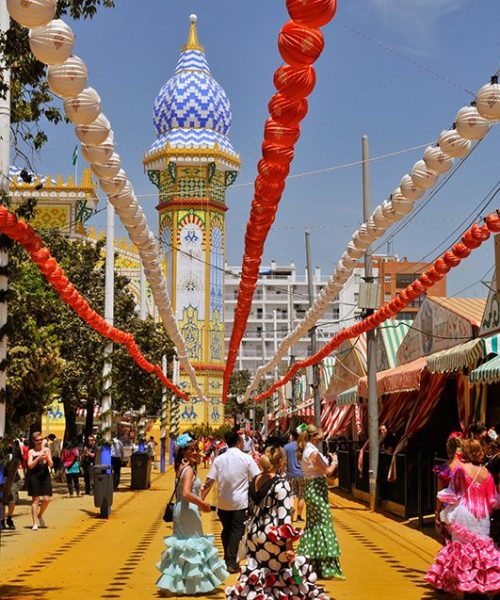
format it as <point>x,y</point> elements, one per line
<point>190,563</point>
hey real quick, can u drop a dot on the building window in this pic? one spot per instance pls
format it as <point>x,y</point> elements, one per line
<point>336,313</point>
<point>259,313</point>
<point>404,279</point>
<point>387,278</point>
<point>387,297</point>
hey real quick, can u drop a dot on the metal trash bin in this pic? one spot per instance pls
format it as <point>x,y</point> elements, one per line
<point>140,464</point>
<point>103,489</point>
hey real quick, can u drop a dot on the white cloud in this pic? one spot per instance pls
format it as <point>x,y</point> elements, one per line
<point>419,15</point>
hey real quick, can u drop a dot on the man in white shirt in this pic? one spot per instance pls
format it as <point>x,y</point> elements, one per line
<point>232,471</point>
<point>116,460</point>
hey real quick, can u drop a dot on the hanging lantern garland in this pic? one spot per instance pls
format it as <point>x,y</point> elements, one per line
<point>471,239</point>
<point>472,123</point>
<point>300,44</point>
<point>53,273</point>
<point>51,41</point>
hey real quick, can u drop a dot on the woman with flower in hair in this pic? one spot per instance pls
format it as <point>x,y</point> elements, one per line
<point>319,542</point>
<point>273,571</point>
<point>190,564</point>
<point>469,563</point>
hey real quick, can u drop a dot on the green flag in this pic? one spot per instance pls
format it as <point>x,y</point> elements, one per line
<point>74,158</point>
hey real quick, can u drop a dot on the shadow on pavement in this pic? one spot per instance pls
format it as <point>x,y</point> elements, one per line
<point>25,592</point>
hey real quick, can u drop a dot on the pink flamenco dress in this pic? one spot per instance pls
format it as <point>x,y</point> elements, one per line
<point>470,561</point>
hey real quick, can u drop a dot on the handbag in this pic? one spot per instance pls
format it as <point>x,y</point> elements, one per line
<point>168,515</point>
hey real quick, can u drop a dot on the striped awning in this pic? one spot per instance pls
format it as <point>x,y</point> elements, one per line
<point>393,332</point>
<point>349,396</point>
<point>326,372</point>
<point>404,378</point>
<point>463,356</point>
<point>306,409</point>
<point>487,373</point>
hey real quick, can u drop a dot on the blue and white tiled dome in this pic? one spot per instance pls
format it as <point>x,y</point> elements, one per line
<point>192,109</point>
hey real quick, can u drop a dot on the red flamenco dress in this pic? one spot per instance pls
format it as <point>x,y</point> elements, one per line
<point>470,561</point>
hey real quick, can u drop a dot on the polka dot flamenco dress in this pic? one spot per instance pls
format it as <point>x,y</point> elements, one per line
<point>190,564</point>
<point>268,575</point>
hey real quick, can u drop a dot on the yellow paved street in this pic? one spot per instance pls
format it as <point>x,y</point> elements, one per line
<point>82,556</point>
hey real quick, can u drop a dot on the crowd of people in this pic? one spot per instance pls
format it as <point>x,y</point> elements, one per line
<point>32,465</point>
<point>261,492</point>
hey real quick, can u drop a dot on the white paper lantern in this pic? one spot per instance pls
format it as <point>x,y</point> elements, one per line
<point>389,212</point>
<point>375,229</point>
<point>360,243</point>
<point>69,78</point>
<point>352,251</point>
<point>83,108</point>
<point>453,144</point>
<point>347,261</point>
<point>422,176</point>
<point>379,218</point>
<point>132,218</point>
<point>99,154</point>
<point>470,124</point>
<point>110,169</point>
<point>125,197</point>
<point>400,204</point>
<point>94,133</point>
<point>409,189</point>
<point>488,100</point>
<point>365,234</point>
<point>114,185</point>
<point>32,13</point>
<point>53,43</point>
<point>436,160</point>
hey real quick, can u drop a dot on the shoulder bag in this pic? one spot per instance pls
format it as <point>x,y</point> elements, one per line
<point>168,515</point>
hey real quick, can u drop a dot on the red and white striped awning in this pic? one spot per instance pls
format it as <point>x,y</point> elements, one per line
<point>336,419</point>
<point>306,409</point>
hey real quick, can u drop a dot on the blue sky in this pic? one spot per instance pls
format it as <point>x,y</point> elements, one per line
<point>396,70</point>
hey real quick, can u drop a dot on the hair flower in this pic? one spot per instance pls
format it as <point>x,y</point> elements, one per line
<point>184,440</point>
<point>302,428</point>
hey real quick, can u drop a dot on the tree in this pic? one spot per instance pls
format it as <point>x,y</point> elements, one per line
<point>238,384</point>
<point>40,324</point>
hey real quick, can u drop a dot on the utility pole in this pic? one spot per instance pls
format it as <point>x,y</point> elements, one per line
<point>263,351</point>
<point>142,316</point>
<point>373,436</point>
<point>109,301</point>
<point>292,357</point>
<point>276,397</point>
<point>310,289</point>
<point>175,414</point>
<point>4,240</point>
<point>163,418</point>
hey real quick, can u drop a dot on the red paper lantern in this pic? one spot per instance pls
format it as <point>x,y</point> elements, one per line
<point>459,249</point>
<point>285,111</point>
<point>470,241</point>
<point>275,153</point>
<point>433,275</point>
<point>493,222</point>
<point>295,83</point>
<point>272,171</point>
<point>451,259</point>
<point>441,267</point>
<point>300,45</point>
<point>282,135</point>
<point>267,188</point>
<point>403,296</point>
<point>485,232</point>
<point>3,215</point>
<point>313,13</point>
<point>476,233</point>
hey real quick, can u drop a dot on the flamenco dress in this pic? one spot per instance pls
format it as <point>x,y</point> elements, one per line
<point>268,575</point>
<point>469,562</point>
<point>190,563</point>
<point>319,542</point>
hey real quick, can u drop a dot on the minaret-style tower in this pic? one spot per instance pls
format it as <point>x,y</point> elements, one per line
<point>192,163</point>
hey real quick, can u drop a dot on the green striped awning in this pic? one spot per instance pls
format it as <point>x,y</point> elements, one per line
<point>393,332</point>
<point>327,367</point>
<point>349,396</point>
<point>487,373</point>
<point>463,356</point>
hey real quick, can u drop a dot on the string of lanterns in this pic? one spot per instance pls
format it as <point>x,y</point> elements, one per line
<point>300,43</point>
<point>21,232</point>
<point>51,41</point>
<point>472,123</point>
<point>472,238</point>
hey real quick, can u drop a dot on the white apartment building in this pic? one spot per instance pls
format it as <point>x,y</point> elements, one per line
<point>281,300</point>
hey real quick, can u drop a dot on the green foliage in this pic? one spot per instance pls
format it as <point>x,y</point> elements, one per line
<point>53,352</point>
<point>206,430</point>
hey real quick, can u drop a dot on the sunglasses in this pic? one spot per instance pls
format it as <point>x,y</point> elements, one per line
<point>39,440</point>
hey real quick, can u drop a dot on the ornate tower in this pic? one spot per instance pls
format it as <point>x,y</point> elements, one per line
<point>192,163</point>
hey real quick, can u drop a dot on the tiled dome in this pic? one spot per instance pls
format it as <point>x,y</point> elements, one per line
<point>192,109</point>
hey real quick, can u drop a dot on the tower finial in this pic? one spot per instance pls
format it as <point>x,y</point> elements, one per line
<point>192,42</point>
